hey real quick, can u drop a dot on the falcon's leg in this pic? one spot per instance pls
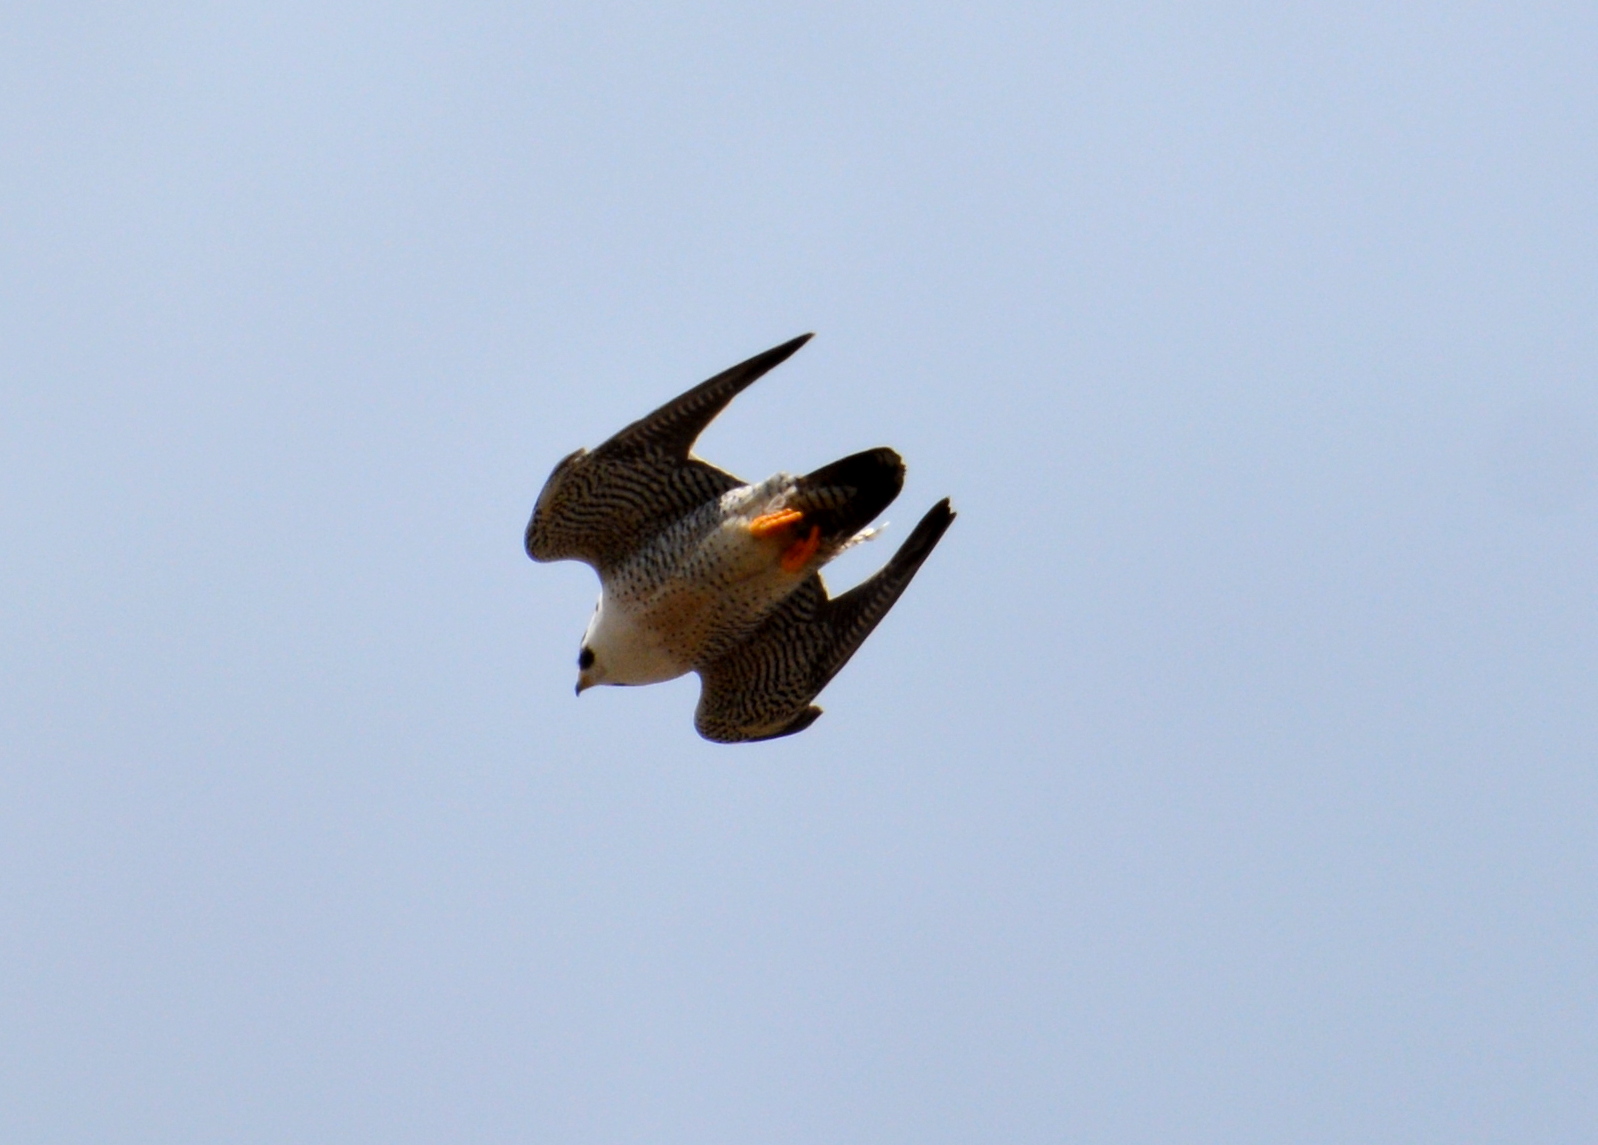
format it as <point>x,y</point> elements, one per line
<point>796,555</point>
<point>800,552</point>
<point>767,524</point>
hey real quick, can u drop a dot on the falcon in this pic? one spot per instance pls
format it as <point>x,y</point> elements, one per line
<point>702,572</point>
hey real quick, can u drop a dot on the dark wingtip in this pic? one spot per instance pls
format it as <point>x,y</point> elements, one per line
<point>925,536</point>
<point>780,354</point>
<point>800,722</point>
<point>675,426</point>
<point>793,727</point>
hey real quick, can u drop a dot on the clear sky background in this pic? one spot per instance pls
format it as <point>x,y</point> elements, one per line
<point>1229,774</point>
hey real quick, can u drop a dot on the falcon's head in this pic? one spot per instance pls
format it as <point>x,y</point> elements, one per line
<point>589,672</point>
<point>613,651</point>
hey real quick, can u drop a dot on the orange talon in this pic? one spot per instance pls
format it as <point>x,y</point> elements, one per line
<point>800,552</point>
<point>763,526</point>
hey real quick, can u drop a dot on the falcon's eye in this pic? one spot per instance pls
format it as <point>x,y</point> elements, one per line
<point>585,659</point>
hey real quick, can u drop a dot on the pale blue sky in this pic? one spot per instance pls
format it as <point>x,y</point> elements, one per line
<point>1229,774</point>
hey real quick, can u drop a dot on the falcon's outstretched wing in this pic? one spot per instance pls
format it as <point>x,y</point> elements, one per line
<point>762,688</point>
<point>600,506</point>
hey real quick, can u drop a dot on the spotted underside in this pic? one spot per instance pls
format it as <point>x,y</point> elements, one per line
<point>762,688</point>
<point>704,584</point>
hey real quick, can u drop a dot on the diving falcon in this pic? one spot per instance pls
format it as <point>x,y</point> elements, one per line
<point>701,572</point>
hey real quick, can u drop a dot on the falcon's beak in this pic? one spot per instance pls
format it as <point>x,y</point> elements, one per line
<point>584,682</point>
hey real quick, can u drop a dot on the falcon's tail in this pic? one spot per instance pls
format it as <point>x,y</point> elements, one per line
<point>846,496</point>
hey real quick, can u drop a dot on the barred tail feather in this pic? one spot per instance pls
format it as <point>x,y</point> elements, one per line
<point>846,496</point>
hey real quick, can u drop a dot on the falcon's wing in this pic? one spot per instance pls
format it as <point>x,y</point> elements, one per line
<point>599,507</point>
<point>762,688</point>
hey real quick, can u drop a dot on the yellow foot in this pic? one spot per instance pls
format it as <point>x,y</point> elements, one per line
<point>800,552</point>
<point>763,526</point>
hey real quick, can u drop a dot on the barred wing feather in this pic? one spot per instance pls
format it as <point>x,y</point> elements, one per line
<point>599,507</point>
<point>762,688</point>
